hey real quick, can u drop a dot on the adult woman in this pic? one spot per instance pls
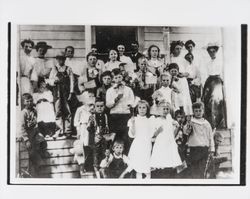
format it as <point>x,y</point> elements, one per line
<point>42,66</point>
<point>175,51</point>
<point>213,96</point>
<point>26,65</point>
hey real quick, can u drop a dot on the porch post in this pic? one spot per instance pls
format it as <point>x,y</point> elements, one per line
<point>88,39</point>
<point>166,44</point>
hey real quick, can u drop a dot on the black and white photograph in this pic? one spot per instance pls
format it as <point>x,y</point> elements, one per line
<point>148,104</point>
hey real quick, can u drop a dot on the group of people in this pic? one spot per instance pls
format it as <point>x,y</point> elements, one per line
<point>135,116</point>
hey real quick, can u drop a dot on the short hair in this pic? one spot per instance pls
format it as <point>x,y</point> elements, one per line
<point>188,43</point>
<point>135,42</point>
<point>27,96</point>
<point>164,103</point>
<point>94,46</point>
<point>147,105</point>
<point>116,71</point>
<point>99,100</point>
<point>106,73</point>
<point>118,142</point>
<point>91,54</point>
<point>188,55</point>
<point>198,105</point>
<point>165,75</point>
<point>179,112</point>
<point>70,47</point>
<point>153,46</point>
<point>27,41</point>
<point>174,44</point>
<point>173,66</point>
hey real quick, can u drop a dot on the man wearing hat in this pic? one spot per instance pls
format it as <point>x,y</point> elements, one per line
<point>26,66</point>
<point>62,80</point>
<point>43,65</point>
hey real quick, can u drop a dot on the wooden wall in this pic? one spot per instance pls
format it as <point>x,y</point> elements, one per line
<point>58,36</point>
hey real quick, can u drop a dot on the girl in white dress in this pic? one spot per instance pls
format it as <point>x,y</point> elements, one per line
<point>140,150</point>
<point>165,151</point>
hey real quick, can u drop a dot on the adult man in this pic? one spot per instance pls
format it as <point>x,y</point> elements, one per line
<point>135,54</point>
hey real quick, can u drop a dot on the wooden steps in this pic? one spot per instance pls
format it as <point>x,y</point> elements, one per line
<point>59,164</point>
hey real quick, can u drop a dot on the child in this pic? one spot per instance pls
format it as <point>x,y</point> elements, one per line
<point>45,110</point>
<point>200,141</point>
<point>142,88</point>
<point>33,140</point>
<point>81,122</point>
<point>117,164</point>
<point>119,99</point>
<point>165,157</point>
<point>102,137</point>
<point>165,92</point>
<point>62,80</point>
<point>182,98</point>
<point>140,150</point>
<point>113,62</point>
<point>106,84</point>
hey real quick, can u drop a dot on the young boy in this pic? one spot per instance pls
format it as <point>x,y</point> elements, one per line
<point>200,141</point>
<point>81,121</point>
<point>106,84</point>
<point>33,140</point>
<point>116,165</point>
<point>100,131</point>
<point>119,99</point>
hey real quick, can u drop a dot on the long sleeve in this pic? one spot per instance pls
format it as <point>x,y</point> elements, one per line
<point>52,77</point>
<point>211,138</point>
<point>24,133</point>
<point>71,77</point>
<point>110,98</point>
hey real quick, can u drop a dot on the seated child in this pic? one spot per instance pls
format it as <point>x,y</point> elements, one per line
<point>33,140</point>
<point>116,165</point>
<point>200,141</point>
<point>45,109</point>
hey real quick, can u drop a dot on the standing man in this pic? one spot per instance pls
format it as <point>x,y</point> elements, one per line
<point>135,54</point>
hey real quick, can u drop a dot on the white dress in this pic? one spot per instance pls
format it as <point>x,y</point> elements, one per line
<point>140,150</point>
<point>183,98</point>
<point>165,151</point>
<point>26,66</point>
<point>45,109</point>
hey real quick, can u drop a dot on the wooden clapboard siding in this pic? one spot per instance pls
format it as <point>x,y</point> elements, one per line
<point>58,36</point>
<point>200,35</point>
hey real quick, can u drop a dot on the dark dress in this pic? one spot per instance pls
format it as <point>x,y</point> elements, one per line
<point>214,101</point>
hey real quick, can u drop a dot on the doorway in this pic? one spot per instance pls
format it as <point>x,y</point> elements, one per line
<point>108,37</point>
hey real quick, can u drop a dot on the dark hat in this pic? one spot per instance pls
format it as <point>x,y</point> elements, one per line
<point>188,43</point>
<point>60,55</point>
<point>42,44</point>
<point>213,45</point>
<point>27,41</point>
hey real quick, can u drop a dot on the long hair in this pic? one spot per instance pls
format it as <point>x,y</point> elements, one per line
<point>147,105</point>
<point>149,49</point>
